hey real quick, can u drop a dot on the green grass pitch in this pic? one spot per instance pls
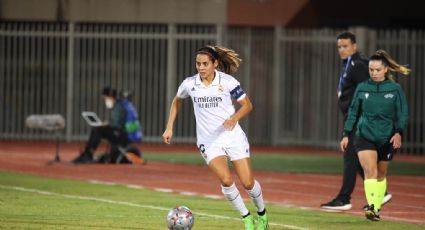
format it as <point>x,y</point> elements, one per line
<point>33,202</point>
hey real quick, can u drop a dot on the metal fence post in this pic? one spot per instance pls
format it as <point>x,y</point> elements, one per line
<point>372,41</point>
<point>220,40</point>
<point>276,85</point>
<point>361,38</point>
<point>70,80</point>
<point>171,65</point>
<point>247,71</point>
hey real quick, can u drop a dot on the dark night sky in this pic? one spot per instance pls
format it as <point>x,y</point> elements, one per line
<point>372,13</point>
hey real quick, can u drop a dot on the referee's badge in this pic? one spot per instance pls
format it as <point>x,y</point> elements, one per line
<point>220,88</point>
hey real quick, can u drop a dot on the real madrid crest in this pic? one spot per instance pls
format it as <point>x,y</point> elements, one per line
<point>220,88</point>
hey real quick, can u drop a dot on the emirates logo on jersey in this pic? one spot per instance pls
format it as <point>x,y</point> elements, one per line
<point>207,102</point>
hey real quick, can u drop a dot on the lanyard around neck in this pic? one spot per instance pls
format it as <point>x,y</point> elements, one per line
<point>342,76</point>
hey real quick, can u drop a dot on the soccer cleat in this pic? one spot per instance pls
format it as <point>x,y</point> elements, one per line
<point>371,214</point>
<point>249,222</point>
<point>336,204</point>
<point>263,222</point>
<point>387,198</point>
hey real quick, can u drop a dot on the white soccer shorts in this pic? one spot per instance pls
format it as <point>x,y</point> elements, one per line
<point>232,152</point>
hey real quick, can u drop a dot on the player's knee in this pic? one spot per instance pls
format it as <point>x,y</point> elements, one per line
<point>370,172</point>
<point>248,184</point>
<point>227,181</point>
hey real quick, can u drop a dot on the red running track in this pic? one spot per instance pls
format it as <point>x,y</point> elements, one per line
<point>301,190</point>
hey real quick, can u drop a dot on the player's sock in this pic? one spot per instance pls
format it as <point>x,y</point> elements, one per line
<point>382,188</point>
<point>232,194</point>
<point>256,196</point>
<point>371,191</point>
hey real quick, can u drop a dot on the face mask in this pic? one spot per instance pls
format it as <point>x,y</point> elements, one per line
<point>109,103</point>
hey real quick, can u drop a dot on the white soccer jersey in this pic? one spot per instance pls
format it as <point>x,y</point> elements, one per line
<point>212,106</point>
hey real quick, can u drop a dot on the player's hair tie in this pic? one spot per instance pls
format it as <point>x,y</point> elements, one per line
<point>379,57</point>
<point>210,51</point>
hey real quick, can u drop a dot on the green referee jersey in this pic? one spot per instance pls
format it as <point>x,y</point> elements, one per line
<point>381,108</point>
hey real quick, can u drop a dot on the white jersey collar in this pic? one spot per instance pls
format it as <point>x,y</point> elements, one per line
<point>216,81</point>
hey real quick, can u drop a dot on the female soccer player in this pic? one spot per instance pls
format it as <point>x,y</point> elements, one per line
<point>219,136</point>
<point>382,107</point>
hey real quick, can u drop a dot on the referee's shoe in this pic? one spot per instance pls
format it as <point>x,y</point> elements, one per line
<point>337,204</point>
<point>387,198</point>
<point>372,214</point>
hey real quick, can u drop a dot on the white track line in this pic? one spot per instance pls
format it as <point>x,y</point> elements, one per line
<point>273,202</point>
<point>268,190</point>
<point>47,193</point>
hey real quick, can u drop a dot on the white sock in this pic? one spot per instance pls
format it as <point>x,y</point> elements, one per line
<point>256,195</point>
<point>232,194</point>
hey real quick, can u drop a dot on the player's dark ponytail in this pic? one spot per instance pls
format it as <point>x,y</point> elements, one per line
<point>228,59</point>
<point>393,66</point>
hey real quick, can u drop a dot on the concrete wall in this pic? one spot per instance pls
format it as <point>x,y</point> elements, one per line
<point>146,11</point>
<point>38,10</point>
<point>263,12</point>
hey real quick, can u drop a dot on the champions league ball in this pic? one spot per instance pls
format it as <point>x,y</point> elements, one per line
<point>180,218</point>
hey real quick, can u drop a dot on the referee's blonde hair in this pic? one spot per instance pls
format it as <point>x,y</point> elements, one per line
<point>392,65</point>
<point>228,59</point>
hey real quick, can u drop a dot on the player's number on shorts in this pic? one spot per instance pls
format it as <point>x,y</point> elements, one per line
<point>202,148</point>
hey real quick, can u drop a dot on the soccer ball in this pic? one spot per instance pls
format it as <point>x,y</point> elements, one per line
<point>180,218</point>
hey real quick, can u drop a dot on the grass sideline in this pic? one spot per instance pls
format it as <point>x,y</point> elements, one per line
<point>33,202</point>
<point>292,163</point>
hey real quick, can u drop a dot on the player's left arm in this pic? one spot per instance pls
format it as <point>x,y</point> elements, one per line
<point>246,107</point>
<point>402,118</point>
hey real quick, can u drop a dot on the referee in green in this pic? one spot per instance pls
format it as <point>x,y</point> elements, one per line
<point>380,106</point>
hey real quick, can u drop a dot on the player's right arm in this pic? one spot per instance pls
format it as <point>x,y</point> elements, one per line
<point>182,93</point>
<point>174,109</point>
